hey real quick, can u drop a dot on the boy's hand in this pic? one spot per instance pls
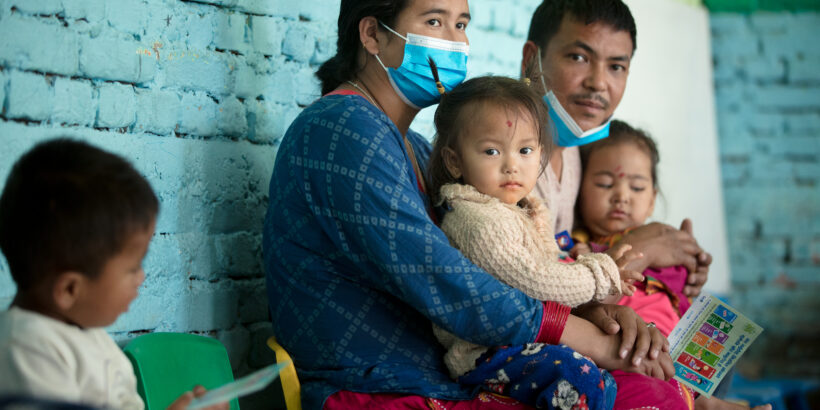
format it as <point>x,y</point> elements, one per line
<point>184,401</point>
<point>579,249</point>
<point>623,255</point>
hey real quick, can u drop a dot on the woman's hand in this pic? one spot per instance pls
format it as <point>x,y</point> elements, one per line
<point>184,401</point>
<point>636,337</point>
<point>587,339</point>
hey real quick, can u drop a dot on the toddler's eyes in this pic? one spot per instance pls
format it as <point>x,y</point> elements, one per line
<point>638,188</point>
<point>602,185</point>
<point>491,151</point>
<point>526,150</point>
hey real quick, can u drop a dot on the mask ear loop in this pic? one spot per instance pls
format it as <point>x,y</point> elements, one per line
<point>434,69</point>
<point>393,31</point>
<point>541,71</point>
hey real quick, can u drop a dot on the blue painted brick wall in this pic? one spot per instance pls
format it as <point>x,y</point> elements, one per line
<point>197,94</point>
<point>767,84</point>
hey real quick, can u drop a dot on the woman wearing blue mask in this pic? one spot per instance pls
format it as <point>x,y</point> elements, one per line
<point>356,267</point>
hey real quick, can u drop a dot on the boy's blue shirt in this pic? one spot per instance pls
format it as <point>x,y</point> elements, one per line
<point>356,270</point>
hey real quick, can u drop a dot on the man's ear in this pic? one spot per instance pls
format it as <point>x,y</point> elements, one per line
<point>452,162</point>
<point>368,30</point>
<point>528,64</point>
<point>67,289</point>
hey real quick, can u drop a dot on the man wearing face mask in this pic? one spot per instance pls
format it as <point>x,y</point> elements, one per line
<point>578,55</point>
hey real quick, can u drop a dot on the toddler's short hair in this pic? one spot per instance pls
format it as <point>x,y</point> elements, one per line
<point>69,206</point>
<point>464,103</point>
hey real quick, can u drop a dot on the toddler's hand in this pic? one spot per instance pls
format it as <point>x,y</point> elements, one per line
<point>623,255</point>
<point>579,249</point>
<point>660,368</point>
<point>183,401</point>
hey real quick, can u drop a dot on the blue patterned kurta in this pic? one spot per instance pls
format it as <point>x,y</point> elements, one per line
<point>356,270</point>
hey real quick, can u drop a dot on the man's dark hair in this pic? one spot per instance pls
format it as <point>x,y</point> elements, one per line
<point>68,206</point>
<point>548,16</point>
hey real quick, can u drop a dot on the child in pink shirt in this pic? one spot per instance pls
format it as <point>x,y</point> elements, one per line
<point>617,194</point>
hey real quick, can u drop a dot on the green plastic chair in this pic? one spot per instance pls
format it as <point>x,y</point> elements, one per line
<point>169,364</point>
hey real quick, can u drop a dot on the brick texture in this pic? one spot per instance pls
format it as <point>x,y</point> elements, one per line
<point>767,83</point>
<point>198,94</point>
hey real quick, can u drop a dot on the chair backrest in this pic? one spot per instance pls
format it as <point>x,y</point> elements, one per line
<point>169,364</point>
<point>291,388</point>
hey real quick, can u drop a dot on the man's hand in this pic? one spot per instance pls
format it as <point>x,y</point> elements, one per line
<point>697,278</point>
<point>636,337</point>
<point>662,246</point>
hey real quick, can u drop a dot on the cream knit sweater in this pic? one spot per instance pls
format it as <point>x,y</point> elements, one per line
<point>516,244</point>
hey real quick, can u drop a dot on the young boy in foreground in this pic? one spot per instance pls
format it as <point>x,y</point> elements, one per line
<point>75,223</point>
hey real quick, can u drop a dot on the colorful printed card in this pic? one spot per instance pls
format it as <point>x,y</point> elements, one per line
<point>707,342</point>
<point>251,383</point>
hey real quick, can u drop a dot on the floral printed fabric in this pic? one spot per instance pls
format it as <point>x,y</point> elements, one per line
<point>544,376</point>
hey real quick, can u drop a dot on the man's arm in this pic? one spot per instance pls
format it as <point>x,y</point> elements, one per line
<point>663,245</point>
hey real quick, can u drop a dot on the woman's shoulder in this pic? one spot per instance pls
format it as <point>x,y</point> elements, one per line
<point>343,109</point>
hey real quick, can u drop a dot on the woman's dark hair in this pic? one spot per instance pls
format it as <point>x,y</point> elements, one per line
<point>345,64</point>
<point>463,105</point>
<point>620,133</point>
<point>69,206</point>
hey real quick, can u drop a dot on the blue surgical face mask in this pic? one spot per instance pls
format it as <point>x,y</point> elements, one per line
<point>413,79</point>
<point>567,132</point>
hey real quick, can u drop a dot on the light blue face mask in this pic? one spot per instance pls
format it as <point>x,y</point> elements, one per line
<point>413,79</point>
<point>567,132</point>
